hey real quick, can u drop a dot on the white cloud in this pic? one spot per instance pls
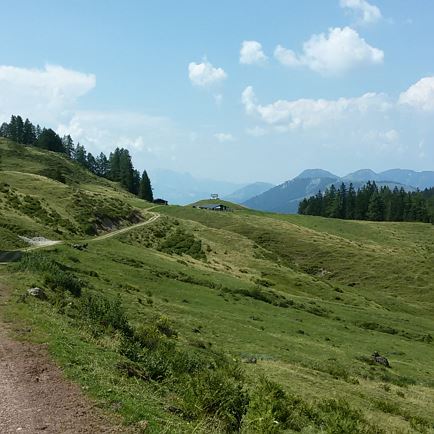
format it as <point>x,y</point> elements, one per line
<point>205,74</point>
<point>420,95</point>
<point>42,94</point>
<point>286,57</point>
<point>102,130</point>
<point>307,113</point>
<point>224,137</point>
<point>366,12</point>
<point>338,51</point>
<point>251,53</point>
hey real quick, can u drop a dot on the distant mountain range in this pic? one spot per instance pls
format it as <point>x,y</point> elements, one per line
<point>183,188</point>
<point>249,191</point>
<point>285,197</point>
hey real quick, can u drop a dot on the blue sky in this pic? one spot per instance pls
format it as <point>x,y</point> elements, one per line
<point>241,91</point>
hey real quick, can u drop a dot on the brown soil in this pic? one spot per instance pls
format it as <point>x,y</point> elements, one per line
<point>35,397</point>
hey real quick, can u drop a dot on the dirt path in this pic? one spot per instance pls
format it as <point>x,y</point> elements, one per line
<point>154,217</point>
<point>123,230</point>
<point>35,397</point>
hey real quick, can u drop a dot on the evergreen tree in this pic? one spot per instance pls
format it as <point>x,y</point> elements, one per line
<point>29,133</point>
<point>80,155</point>
<point>145,190</point>
<point>126,175</point>
<point>351,203</point>
<point>13,129</point>
<point>376,207</point>
<point>48,139</point>
<point>4,130</point>
<point>371,203</point>
<point>102,165</point>
<point>68,145</point>
<point>114,164</point>
<point>91,163</point>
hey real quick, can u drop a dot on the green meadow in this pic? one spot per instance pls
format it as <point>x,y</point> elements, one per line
<point>207,321</point>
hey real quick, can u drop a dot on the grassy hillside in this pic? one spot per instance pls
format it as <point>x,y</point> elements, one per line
<point>242,321</point>
<point>45,194</point>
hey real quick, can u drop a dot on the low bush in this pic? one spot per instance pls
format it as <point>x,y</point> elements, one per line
<point>181,242</point>
<point>55,275</point>
<point>215,394</point>
<point>63,281</point>
<point>104,313</point>
<point>272,410</point>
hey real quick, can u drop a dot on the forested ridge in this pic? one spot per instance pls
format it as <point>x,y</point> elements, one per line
<point>118,166</point>
<point>371,202</point>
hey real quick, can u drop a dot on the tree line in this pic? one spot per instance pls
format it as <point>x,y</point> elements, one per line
<point>116,167</point>
<point>371,202</point>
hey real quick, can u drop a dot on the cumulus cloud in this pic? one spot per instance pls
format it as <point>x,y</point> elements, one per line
<point>306,113</point>
<point>365,12</point>
<point>420,95</point>
<point>286,57</point>
<point>224,137</point>
<point>42,94</point>
<point>251,53</point>
<point>205,74</point>
<point>101,130</point>
<point>338,51</point>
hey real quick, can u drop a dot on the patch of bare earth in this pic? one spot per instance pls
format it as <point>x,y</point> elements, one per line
<point>35,397</point>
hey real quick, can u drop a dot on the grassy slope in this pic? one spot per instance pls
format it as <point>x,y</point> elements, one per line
<point>355,287</point>
<point>36,204</point>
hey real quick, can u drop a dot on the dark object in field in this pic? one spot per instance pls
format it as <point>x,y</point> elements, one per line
<point>13,256</point>
<point>377,358</point>
<point>252,360</point>
<point>79,246</point>
<point>213,207</point>
<point>160,201</point>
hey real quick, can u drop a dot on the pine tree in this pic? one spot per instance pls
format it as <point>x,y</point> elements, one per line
<point>351,203</point>
<point>126,170</point>
<point>29,133</point>
<point>114,164</point>
<point>4,130</point>
<point>68,145</point>
<point>80,155</point>
<point>48,139</point>
<point>19,130</point>
<point>145,191</point>
<point>102,165</point>
<point>376,207</point>
<point>91,163</point>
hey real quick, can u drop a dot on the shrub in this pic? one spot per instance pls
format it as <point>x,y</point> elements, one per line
<point>215,394</point>
<point>339,418</point>
<point>38,262</point>
<point>272,410</point>
<point>164,327</point>
<point>105,313</point>
<point>64,281</point>
<point>181,242</point>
